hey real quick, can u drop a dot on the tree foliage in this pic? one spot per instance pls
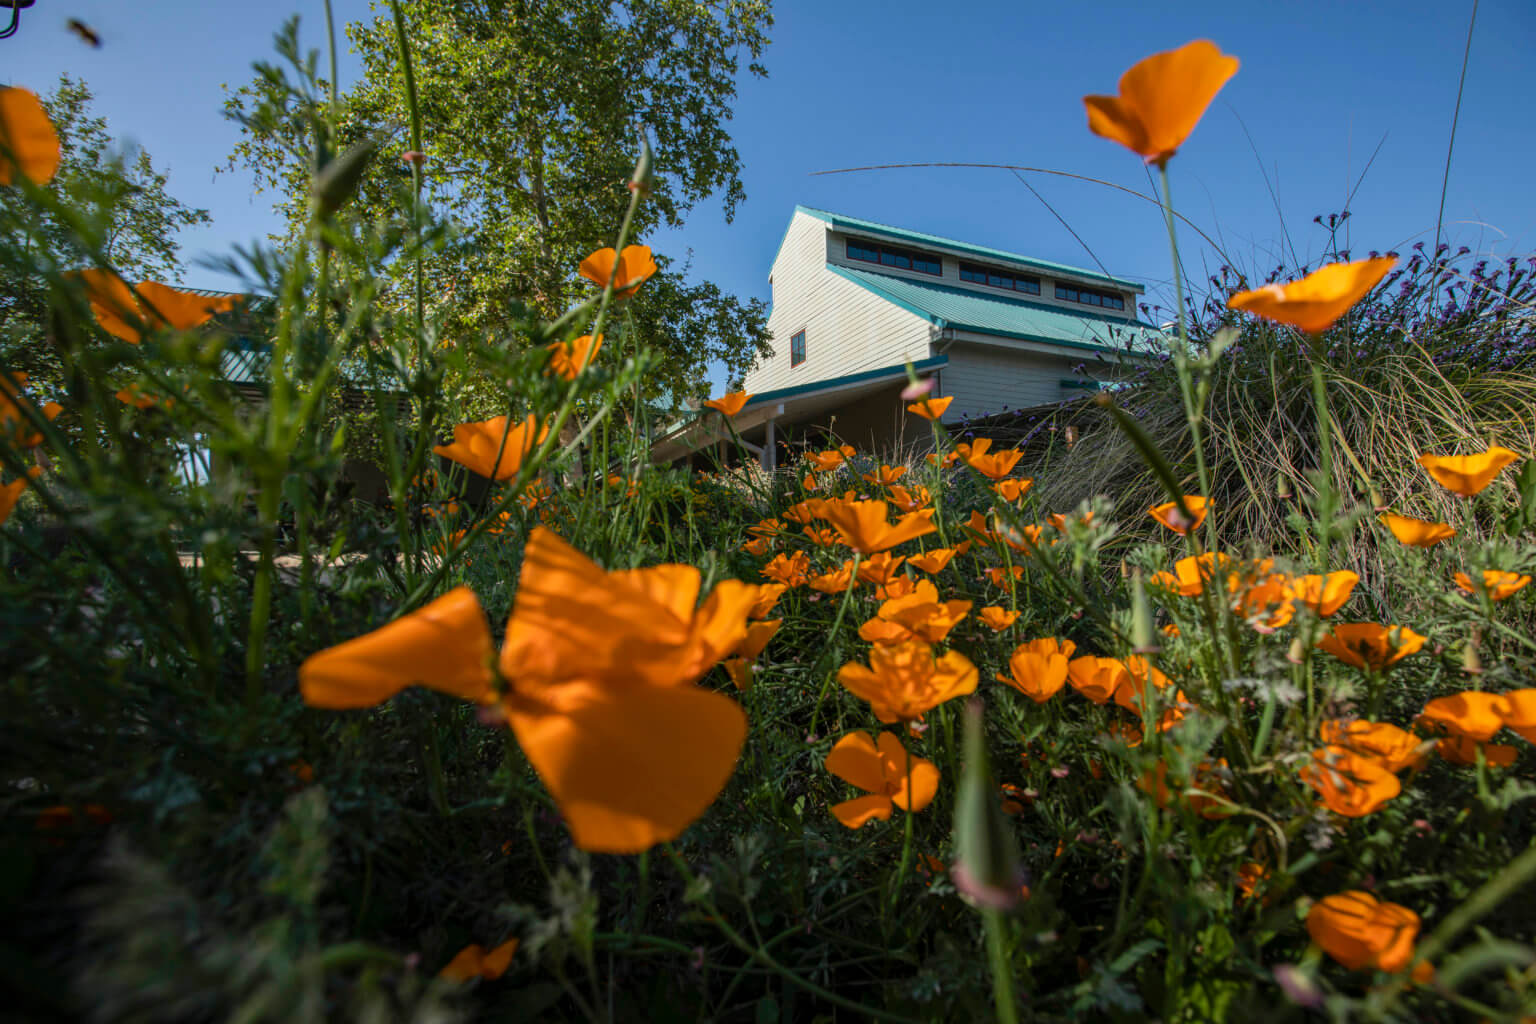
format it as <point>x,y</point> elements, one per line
<point>531,113</point>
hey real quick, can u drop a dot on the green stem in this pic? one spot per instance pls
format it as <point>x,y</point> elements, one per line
<point>853,581</point>
<point>1002,972</point>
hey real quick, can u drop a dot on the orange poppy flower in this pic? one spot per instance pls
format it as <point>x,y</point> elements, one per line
<point>1190,574</point>
<point>768,595</point>
<point>1013,490</point>
<point>480,448</point>
<point>1265,604</point>
<point>1207,778</point>
<point>445,645</point>
<point>885,476</point>
<point>880,568</point>
<point>15,427</point>
<point>917,616</point>
<point>904,681</point>
<point>1250,876</point>
<point>1097,678</point>
<point>979,526</point>
<point>1521,716</point>
<point>1324,594</point>
<point>10,494</point>
<point>1038,669</point>
<point>998,619</point>
<point>900,586</point>
<point>910,500</point>
<point>835,581</point>
<point>1465,750</point>
<point>601,666</point>
<point>999,576</point>
<point>757,546</point>
<point>788,569</point>
<point>1471,713</point>
<point>728,405</point>
<point>473,962</point>
<point>949,459</point>
<point>1161,99</point>
<point>882,769</point>
<point>1393,748</point>
<point>131,395</point>
<point>739,665</point>
<point>1350,784</point>
<point>1499,585</point>
<point>1370,645</point>
<point>827,461</point>
<point>1358,930</point>
<point>1061,522</point>
<point>1315,302</point>
<point>933,560</point>
<point>863,525</point>
<point>990,464</point>
<point>635,265</point>
<point>1417,533</point>
<point>930,408</point>
<point>29,147</point>
<point>127,313</point>
<point>568,358</point>
<point>1467,474</point>
<point>1169,515</point>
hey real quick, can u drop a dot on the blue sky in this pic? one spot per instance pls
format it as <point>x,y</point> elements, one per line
<point>1321,85</point>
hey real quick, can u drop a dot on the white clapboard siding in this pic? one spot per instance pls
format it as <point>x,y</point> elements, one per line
<point>984,380</point>
<point>848,329</point>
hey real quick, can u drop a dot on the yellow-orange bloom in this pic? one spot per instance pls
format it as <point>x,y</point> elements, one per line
<point>126,313</point>
<point>990,464</point>
<point>904,681</point>
<point>1169,515</point>
<point>1038,669</point>
<point>910,500</point>
<point>864,528</point>
<point>1358,930</point>
<point>789,569</point>
<point>601,666</point>
<point>1190,574</point>
<point>1464,750</point>
<point>1208,803</point>
<point>1161,99</point>
<point>473,962</point>
<point>728,405</point>
<point>835,581</point>
<point>445,646</point>
<point>1324,594</point>
<point>1393,748</point>
<point>568,358</point>
<point>131,395</point>
<point>919,615</point>
<point>999,576</point>
<point>885,476</point>
<point>739,665</point>
<point>1013,490</point>
<point>492,449</point>
<point>997,618</point>
<point>10,494</point>
<point>1417,533</point>
<point>1471,713</point>
<point>883,769</point>
<point>635,265</point>
<point>1097,678</point>
<point>1370,645</point>
<point>1499,584</point>
<point>29,147</point>
<point>880,569</point>
<point>1467,474</point>
<point>1315,302</point>
<point>768,595</point>
<point>14,424</point>
<point>1350,784</point>
<point>933,560</point>
<point>1521,716</point>
<point>827,461</point>
<point>930,408</point>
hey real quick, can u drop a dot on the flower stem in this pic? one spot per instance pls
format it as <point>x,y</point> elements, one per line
<point>1002,972</point>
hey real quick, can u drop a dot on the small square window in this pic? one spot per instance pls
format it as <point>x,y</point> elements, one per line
<point>797,349</point>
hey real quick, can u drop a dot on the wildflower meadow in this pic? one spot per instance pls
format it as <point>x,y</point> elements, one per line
<point>1224,710</point>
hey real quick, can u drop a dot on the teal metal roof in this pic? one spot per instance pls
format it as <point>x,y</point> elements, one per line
<point>922,366</point>
<point>840,222</point>
<point>946,306</point>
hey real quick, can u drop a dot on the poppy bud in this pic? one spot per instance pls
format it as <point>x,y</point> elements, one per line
<point>1282,487</point>
<point>1471,663</point>
<point>641,180</point>
<point>987,862</point>
<point>1297,652</point>
<point>1143,630</point>
<point>337,181</point>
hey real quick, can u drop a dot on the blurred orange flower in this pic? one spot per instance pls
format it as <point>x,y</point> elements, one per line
<point>1471,713</point>
<point>445,645</point>
<point>1350,784</point>
<point>1190,574</point>
<point>1521,716</point>
<point>1169,515</point>
<point>788,569</point>
<point>1315,302</point>
<point>933,560</point>
<point>1464,750</point>
<point>492,449</point>
<point>739,665</point>
<point>126,313</point>
<point>863,525</point>
<point>1499,585</point>
<point>568,358</point>
<point>1358,930</point>
<point>1324,594</point>
<point>930,408</point>
<point>999,576</point>
<point>885,476</point>
<point>990,464</point>
<point>768,595</point>
<point>29,147</point>
<point>1038,669</point>
<point>473,962</point>
<point>883,769</point>
<point>1417,533</point>
<point>1393,748</point>
<point>835,581</point>
<point>1161,100</point>
<point>1370,645</point>
<point>1013,490</point>
<point>1468,474</point>
<point>1207,779</point>
<point>904,681</point>
<point>15,427</point>
<point>1097,678</point>
<point>635,265</point>
<point>998,618</point>
<point>917,616</point>
<point>910,500</point>
<point>728,405</point>
<point>601,666</point>
<point>881,568</point>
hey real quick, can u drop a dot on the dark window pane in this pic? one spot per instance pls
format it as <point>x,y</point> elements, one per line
<point>900,260</point>
<point>999,281</point>
<point>926,265</point>
<point>972,274</point>
<point>1024,284</point>
<point>862,252</point>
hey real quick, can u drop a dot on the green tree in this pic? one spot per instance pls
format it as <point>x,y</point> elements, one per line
<point>532,111</point>
<point>126,214</point>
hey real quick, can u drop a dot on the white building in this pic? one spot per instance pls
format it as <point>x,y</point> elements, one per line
<point>854,301</point>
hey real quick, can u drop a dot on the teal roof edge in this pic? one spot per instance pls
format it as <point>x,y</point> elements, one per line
<point>922,366</point>
<point>838,220</point>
